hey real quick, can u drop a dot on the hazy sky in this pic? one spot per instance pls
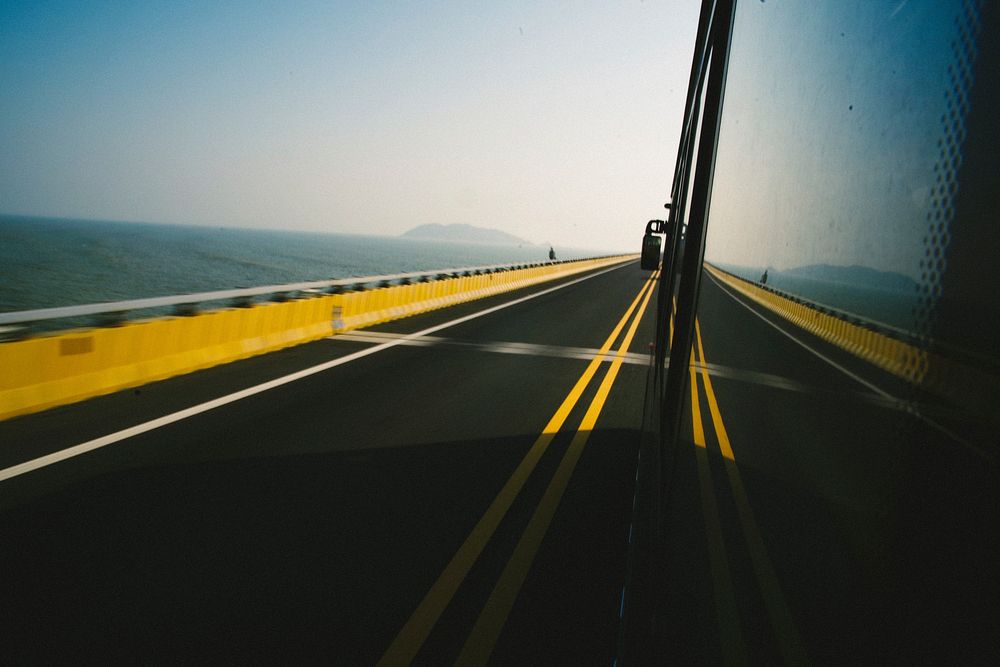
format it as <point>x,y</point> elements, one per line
<point>557,122</point>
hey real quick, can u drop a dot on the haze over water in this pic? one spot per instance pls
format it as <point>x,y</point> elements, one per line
<point>47,262</point>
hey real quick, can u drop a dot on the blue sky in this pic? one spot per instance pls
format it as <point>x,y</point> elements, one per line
<point>557,122</point>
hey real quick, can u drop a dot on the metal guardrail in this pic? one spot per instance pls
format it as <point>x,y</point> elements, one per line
<point>186,304</point>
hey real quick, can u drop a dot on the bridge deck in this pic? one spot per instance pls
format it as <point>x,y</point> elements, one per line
<point>345,515</point>
<point>311,519</point>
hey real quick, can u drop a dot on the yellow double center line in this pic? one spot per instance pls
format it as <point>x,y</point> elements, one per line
<point>789,642</point>
<point>490,622</point>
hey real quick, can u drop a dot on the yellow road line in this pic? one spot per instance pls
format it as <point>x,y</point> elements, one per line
<point>727,614</point>
<point>486,631</point>
<point>673,310</point>
<point>789,641</point>
<point>413,634</point>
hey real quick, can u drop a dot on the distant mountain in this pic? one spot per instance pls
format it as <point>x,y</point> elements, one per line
<point>860,276</point>
<point>465,234</point>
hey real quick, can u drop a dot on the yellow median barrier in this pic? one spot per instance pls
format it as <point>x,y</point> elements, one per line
<point>46,371</point>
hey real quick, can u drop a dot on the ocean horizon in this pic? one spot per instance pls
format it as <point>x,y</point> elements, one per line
<point>48,262</point>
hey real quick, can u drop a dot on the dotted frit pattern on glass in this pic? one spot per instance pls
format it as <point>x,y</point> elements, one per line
<point>946,170</point>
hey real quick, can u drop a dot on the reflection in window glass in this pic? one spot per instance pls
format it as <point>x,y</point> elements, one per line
<point>833,199</point>
<point>846,364</point>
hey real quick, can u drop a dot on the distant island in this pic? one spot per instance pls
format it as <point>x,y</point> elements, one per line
<point>464,234</point>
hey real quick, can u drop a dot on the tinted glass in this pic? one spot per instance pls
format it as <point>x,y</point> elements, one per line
<point>847,328</point>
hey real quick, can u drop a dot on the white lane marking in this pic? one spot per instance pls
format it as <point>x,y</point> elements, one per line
<point>907,406</point>
<point>145,427</point>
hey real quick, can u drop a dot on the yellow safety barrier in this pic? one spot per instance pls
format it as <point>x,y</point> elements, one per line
<point>363,309</point>
<point>907,361</point>
<point>46,371</point>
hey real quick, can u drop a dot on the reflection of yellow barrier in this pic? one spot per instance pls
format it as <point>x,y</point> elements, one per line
<point>902,359</point>
<point>47,371</point>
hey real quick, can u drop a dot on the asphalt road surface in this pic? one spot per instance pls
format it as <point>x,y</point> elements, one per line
<point>459,486</point>
<point>366,511</point>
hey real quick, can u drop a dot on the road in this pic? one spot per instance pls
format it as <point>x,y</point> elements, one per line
<point>309,521</point>
<point>459,486</point>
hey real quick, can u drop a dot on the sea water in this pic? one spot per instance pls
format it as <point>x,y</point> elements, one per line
<point>47,262</point>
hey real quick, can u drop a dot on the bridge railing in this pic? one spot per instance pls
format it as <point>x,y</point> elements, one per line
<point>23,323</point>
<point>46,369</point>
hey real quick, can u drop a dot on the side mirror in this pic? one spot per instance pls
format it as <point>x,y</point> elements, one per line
<point>650,259</point>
